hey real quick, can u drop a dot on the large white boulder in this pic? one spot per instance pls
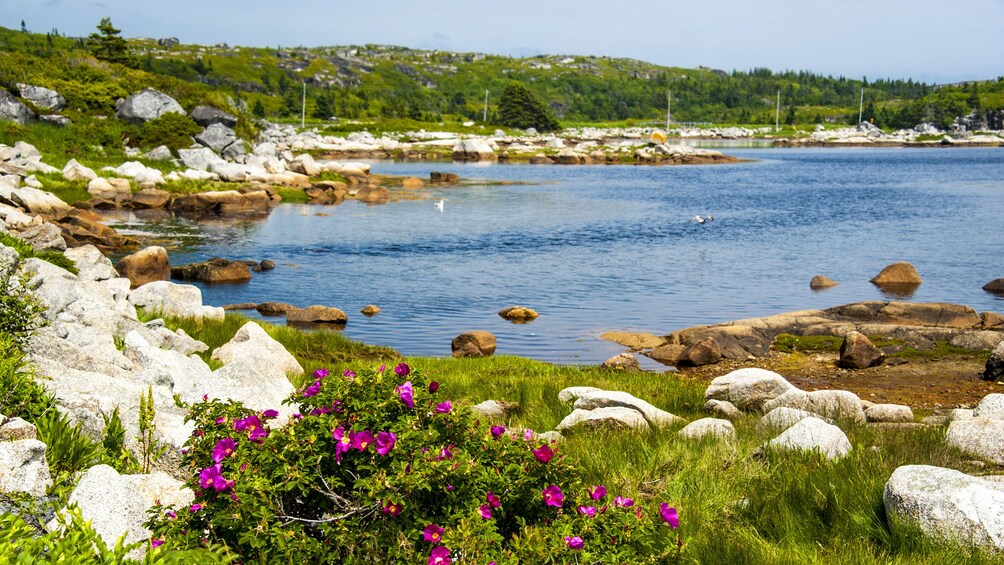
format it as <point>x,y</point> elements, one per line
<point>252,342</point>
<point>709,427</point>
<point>23,467</point>
<point>748,389</point>
<point>92,265</point>
<point>182,300</point>
<point>783,417</point>
<point>609,399</point>
<point>813,434</point>
<point>947,504</point>
<point>75,171</point>
<point>37,201</point>
<point>834,404</point>
<point>147,105</point>
<point>572,393</point>
<point>978,436</point>
<point>992,406</point>
<point>616,417</point>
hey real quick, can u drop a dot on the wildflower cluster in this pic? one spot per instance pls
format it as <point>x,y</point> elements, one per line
<point>376,465</point>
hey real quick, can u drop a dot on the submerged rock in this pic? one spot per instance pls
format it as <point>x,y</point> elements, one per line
<point>901,273</point>
<point>820,282</point>
<point>216,270</point>
<point>317,315</point>
<point>518,314</point>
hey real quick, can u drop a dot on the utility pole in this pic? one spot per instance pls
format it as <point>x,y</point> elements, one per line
<point>669,109</point>
<point>484,116</point>
<point>861,107</point>
<point>303,109</point>
<point>777,113</point>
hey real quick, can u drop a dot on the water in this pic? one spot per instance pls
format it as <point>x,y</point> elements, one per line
<point>597,248</point>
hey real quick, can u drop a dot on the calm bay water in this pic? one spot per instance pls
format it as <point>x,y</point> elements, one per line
<point>596,248</point>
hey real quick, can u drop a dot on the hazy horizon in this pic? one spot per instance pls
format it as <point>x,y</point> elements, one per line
<point>859,38</point>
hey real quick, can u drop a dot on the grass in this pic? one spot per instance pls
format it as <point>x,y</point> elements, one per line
<point>788,343</point>
<point>26,251</point>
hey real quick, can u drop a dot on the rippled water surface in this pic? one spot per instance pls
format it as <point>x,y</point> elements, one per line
<point>595,248</point>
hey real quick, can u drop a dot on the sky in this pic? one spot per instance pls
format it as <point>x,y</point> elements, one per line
<point>933,41</point>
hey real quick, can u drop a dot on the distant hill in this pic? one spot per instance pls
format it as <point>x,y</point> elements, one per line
<point>397,82</point>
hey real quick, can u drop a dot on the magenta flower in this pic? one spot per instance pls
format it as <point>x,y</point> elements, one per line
<point>588,511</point>
<point>486,511</point>
<point>497,431</point>
<point>362,440</point>
<point>406,393</point>
<point>543,453</point>
<point>392,508</point>
<point>212,477</point>
<point>269,414</point>
<point>312,390</point>
<point>553,496</point>
<point>433,533</point>
<point>598,492</point>
<point>574,542</point>
<point>297,416</point>
<point>433,387</point>
<point>623,502</point>
<point>154,543</point>
<point>493,499</point>
<point>527,435</point>
<point>221,420</point>
<point>440,554</point>
<point>349,374</point>
<point>446,452</point>
<point>251,421</point>
<point>669,515</point>
<point>258,434</point>
<point>320,373</point>
<point>343,442</point>
<point>385,442</point>
<point>172,514</point>
<point>382,368</point>
<point>444,407</point>
<point>402,370</point>
<point>224,448</point>
<point>194,508</point>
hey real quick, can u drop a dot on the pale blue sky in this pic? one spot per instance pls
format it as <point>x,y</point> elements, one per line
<point>928,40</point>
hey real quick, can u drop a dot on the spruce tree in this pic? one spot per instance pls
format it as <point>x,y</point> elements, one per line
<point>108,45</point>
<point>519,108</point>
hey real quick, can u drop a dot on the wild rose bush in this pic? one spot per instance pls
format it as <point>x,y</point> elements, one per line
<point>378,466</point>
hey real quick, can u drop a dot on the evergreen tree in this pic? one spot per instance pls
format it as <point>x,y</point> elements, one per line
<point>108,45</point>
<point>519,108</point>
<point>974,98</point>
<point>24,28</point>
<point>789,118</point>
<point>259,109</point>
<point>322,107</point>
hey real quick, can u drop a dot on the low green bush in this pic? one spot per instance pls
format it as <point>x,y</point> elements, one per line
<point>26,251</point>
<point>380,467</point>
<point>20,396</point>
<point>172,129</point>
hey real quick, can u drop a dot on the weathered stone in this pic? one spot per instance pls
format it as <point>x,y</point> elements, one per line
<point>252,342</point>
<point>813,434</point>
<point>994,369</point>
<point>607,399</point>
<point>92,265</point>
<point>703,352</point>
<point>494,409</point>
<point>668,354</point>
<point>11,109</point>
<point>412,183</point>
<point>709,427</point>
<point>477,343</point>
<point>518,314</point>
<point>977,340</point>
<point>722,408</point>
<point>614,417</point>
<point>55,119</point>
<point>748,389</point>
<point>147,265</point>
<point>75,171</point>
<point>216,270</point>
<point>41,97</point>
<point>991,406</point>
<point>474,150</point>
<point>928,314</point>
<point>374,195</point>
<point>317,315</point>
<point>305,165</point>
<point>152,198</point>
<point>160,153</point>
<point>572,393</point>
<point>114,189</point>
<point>37,201</point>
<point>171,299</point>
<point>947,504</point>
<point>634,340</point>
<point>437,177</point>
<point>16,429</point>
<point>902,273</point>
<point>44,237</point>
<point>858,352</point>
<point>199,159</point>
<point>995,286</point>
<point>783,417</point>
<point>979,436</point>
<point>622,362</point>
<point>370,310</point>
<point>820,282</point>
<point>23,467</point>
<point>835,404</point>
<point>147,105</point>
<point>274,308</point>
<point>216,137</point>
<point>889,413</point>
<point>206,116</point>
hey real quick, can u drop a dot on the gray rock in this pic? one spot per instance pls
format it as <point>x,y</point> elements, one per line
<point>206,116</point>
<point>572,393</point>
<point>160,153</point>
<point>75,171</point>
<point>44,237</point>
<point>92,265</point>
<point>235,150</point>
<point>622,362</point>
<point>174,299</point>
<point>960,414</point>
<point>491,409</point>
<point>609,399</point>
<point>889,413</point>
<point>55,119</point>
<point>978,436</point>
<point>474,150</point>
<point>748,389</point>
<point>977,340</point>
<point>255,381</point>
<point>813,434</point>
<point>304,165</point>
<point>947,504</point>
<point>722,408</point>
<point>994,369</point>
<point>216,137</point>
<point>16,429</point>
<point>117,506</point>
<point>147,105</point>
<point>114,189</point>
<point>37,201</point>
<point>23,467</point>
<point>783,417</point>
<point>991,406</point>
<point>12,110</point>
<point>200,159</point>
<point>252,342</point>
<point>709,427</point>
<point>170,369</point>
<point>41,96</point>
<point>616,417</point>
<point>835,404</point>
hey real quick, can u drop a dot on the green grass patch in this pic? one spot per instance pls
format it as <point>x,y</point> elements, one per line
<point>26,251</point>
<point>789,343</point>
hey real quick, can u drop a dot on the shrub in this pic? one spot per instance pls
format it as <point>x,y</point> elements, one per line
<point>20,395</point>
<point>171,129</point>
<point>20,311</point>
<point>380,468</point>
